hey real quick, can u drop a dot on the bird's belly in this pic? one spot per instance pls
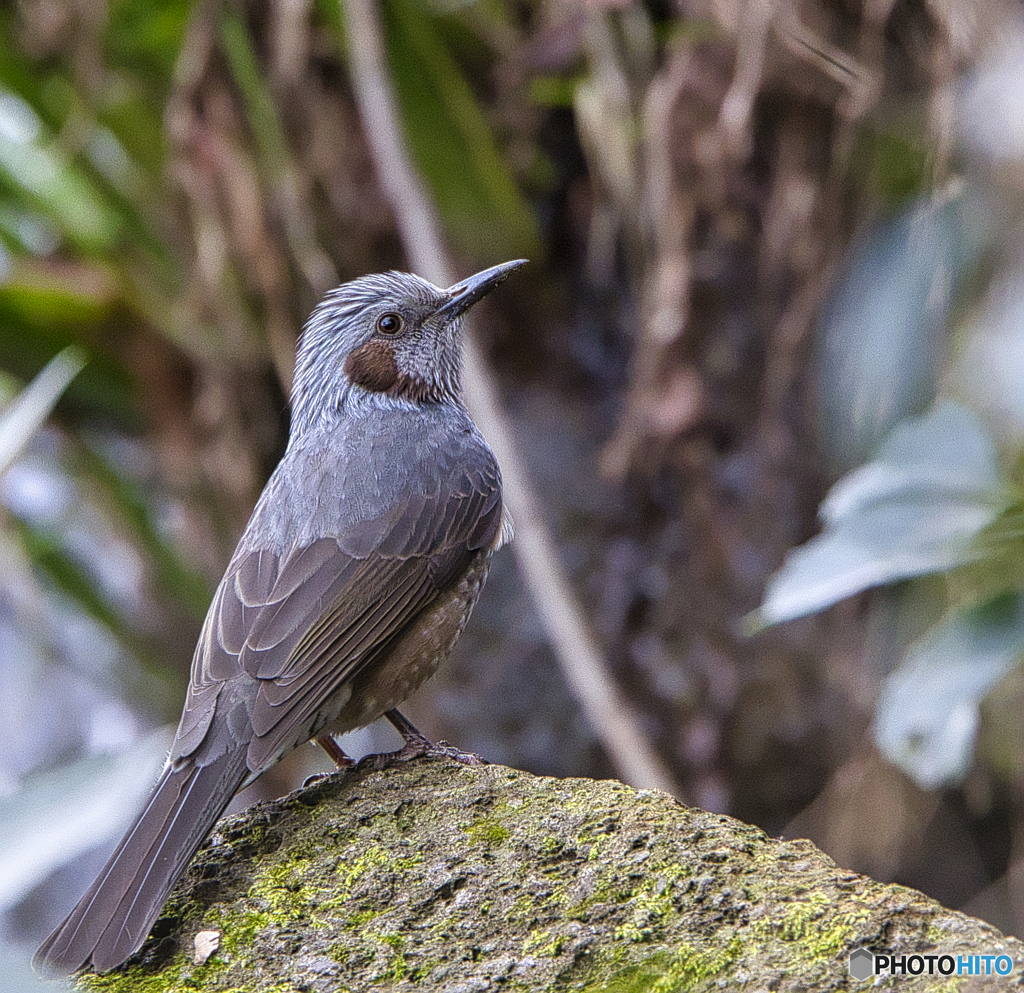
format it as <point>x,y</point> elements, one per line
<point>414,657</point>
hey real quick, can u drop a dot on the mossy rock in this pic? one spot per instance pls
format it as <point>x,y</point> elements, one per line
<point>436,876</point>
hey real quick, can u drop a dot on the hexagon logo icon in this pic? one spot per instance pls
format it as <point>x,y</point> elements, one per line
<point>862,963</point>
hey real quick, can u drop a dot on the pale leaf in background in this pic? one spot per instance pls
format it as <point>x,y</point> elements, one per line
<point>917,508</point>
<point>927,717</point>
<point>27,413</point>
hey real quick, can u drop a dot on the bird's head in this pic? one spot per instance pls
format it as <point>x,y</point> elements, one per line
<point>391,335</point>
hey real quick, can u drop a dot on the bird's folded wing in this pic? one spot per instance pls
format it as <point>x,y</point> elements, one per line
<point>282,636</point>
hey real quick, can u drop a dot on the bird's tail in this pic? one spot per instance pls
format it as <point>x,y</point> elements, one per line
<point>114,917</point>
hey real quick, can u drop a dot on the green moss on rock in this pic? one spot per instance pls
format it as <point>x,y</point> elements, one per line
<point>435,876</point>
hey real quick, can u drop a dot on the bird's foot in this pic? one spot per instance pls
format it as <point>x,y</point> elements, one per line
<point>419,749</point>
<point>442,750</point>
<point>417,745</point>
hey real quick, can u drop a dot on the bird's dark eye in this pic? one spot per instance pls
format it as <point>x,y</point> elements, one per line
<point>389,324</point>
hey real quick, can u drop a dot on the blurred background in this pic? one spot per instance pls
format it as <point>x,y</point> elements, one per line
<point>765,371</point>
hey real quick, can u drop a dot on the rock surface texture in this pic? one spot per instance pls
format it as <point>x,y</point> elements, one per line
<point>438,877</point>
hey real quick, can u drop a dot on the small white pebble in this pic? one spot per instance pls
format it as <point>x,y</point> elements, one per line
<point>206,943</point>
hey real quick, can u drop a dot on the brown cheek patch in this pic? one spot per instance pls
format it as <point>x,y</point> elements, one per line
<point>373,367</point>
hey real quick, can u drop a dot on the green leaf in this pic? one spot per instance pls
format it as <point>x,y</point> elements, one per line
<point>894,163</point>
<point>21,76</point>
<point>40,315</point>
<point>452,144</point>
<point>926,720</point>
<point>144,39</point>
<point>554,91</point>
<point>329,14</point>
<point>259,103</point>
<point>33,167</point>
<point>138,126</point>
<point>917,508</point>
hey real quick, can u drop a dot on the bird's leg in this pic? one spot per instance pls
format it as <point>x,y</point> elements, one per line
<point>338,757</point>
<point>416,744</point>
<point>333,749</point>
<point>327,742</point>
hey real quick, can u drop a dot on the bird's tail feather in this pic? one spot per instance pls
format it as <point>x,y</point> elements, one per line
<point>114,917</point>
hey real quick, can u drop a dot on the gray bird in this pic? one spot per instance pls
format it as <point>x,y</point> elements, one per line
<point>352,581</point>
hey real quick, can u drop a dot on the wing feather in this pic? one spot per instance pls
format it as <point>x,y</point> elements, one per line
<point>302,565</point>
<point>255,578</point>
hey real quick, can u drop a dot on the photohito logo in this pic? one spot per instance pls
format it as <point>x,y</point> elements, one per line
<point>864,964</point>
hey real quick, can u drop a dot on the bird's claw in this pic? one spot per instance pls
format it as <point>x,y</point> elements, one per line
<point>442,750</point>
<point>419,748</point>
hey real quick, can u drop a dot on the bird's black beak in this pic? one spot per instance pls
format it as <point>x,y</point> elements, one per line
<point>463,295</point>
